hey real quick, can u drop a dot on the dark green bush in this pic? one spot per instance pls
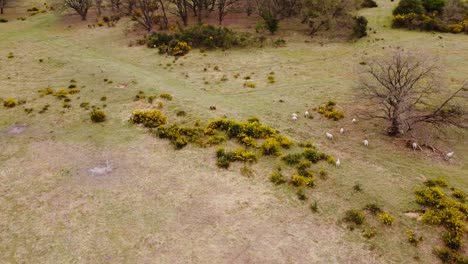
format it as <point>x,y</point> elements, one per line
<point>354,216</point>
<point>292,159</point>
<point>277,178</point>
<point>271,21</point>
<point>2,20</point>
<point>433,5</point>
<point>409,6</point>
<point>97,116</point>
<point>360,29</point>
<point>373,208</point>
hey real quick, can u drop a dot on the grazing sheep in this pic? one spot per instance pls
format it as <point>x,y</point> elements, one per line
<point>338,163</point>
<point>354,120</point>
<point>294,118</point>
<point>329,136</point>
<point>306,114</point>
<point>414,145</point>
<point>366,142</point>
<point>294,114</point>
<point>341,130</point>
<point>449,155</point>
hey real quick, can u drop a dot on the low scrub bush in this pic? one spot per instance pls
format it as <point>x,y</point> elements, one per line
<point>225,158</point>
<point>354,216</point>
<point>9,103</point>
<point>373,208</point>
<point>277,178</point>
<point>166,96</point>
<point>413,238</point>
<point>460,195</point>
<point>386,219</point>
<point>301,194</point>
<point>97,116</point>
<point>292,159</point>
<point>270,147</point>
<point>180,136</point>
<point>149,119</point>
<point>330,112</point>
<point>368,4</point>
<point>250,85</point>
<point>369,233</point>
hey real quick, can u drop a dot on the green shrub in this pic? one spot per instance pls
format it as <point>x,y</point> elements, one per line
<point>249,85</point>
<point>460,195</point>
<point>409,6</point>
<point>9,103</point>
<point>433,5</point>
<point>369,233</point>
<point>271,21</point>
<point>357,187</point>
<point>97,116</point>
<point>354,216</point>
<point>450,256</point>
<point>149,119</point>
<point>301,194</point>
<point>386,219</point>
<point>373,208</point>
<point>284,141</point>
<point>413,238</point>
<point>85,105</point>
<point>298,180</point>
<point>429,195</point>
<point>360,29</point>
<point>180,113</point>
<point>292,159</point>
<point>277,178</point>
<point>270,147</point>
<point>181,49</point>
<point>216,140</point>
<point>2,20</point>
<point>166,96</point>
<point>104,98</point>
<point>323,173</point>
<point>329,111</point>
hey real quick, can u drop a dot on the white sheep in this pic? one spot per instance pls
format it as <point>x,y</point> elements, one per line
<point>306,114</point>
<point>338,163</point>
<point>341,130</point>
<point>294,114</point>
<point>449,155</point>
<point>294,118</point>
<point>354,120</point>
<point>414,145</point>
<point>329,135</point>
<point>366,142</point>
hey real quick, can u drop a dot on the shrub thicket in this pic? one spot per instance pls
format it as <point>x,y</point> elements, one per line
<point>97,116</point>
<point>330,112</point>
<point>148,118</point>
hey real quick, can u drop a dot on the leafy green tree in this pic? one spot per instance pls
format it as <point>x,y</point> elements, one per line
<point>434,5</point>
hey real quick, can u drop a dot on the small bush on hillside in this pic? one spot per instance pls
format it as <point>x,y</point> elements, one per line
<point>360,30</point>
<point>149,119</point>
<point>292,159</point>
<point>413,238</point>
<point>301,195</point>
<point>2,20</point>
<point>250,85</point>
<point>460,195</point>
<point>9,103</point>
<point>330,112</point>
<point>270,147</point>
<point>271,21</point>
<point>450,256</point>
<point>97,116</point>
<point>181,48</point>
<point>277,178</point>
<point>386,219</point>
<point>369,233</point>
<point>166,96</point>
<point>354,216</point>
<point>434,5</point>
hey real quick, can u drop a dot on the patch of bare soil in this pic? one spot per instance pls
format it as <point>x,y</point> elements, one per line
<point>16,130</point>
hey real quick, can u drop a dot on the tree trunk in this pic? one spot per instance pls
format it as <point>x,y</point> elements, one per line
<point>1,10</point>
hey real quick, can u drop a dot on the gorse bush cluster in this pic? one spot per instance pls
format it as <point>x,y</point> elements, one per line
<point>9,103</point>
<point>149,119</point>
<point>330,112</point>
<point>225,158</point>
<point>199,36</point>
<point>431,15</point>
<point>180,136</point>
<point>354,216</point>
<point>386,219</point>
<point>444,211</point>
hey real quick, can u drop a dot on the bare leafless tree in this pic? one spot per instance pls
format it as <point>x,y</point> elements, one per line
<point>224,7</point>
<point>80,6</point>
<point>3,4</point>
<point>145,13</point>
<point>98,4</point>
<point>404,90</point>
<point>181,10</point>
<point>115,5</point>
<point>163,5</point>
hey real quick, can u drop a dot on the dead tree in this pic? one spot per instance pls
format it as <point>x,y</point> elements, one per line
<point>3,4</point>
<point>181,10</point>
<point>224,7</point>
<point>403,90</point>
<point>80,6</point>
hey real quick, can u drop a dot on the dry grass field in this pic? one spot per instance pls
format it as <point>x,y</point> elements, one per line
<point>160,205</point>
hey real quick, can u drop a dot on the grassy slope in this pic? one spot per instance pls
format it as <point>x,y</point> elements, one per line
<point>177,206</point>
